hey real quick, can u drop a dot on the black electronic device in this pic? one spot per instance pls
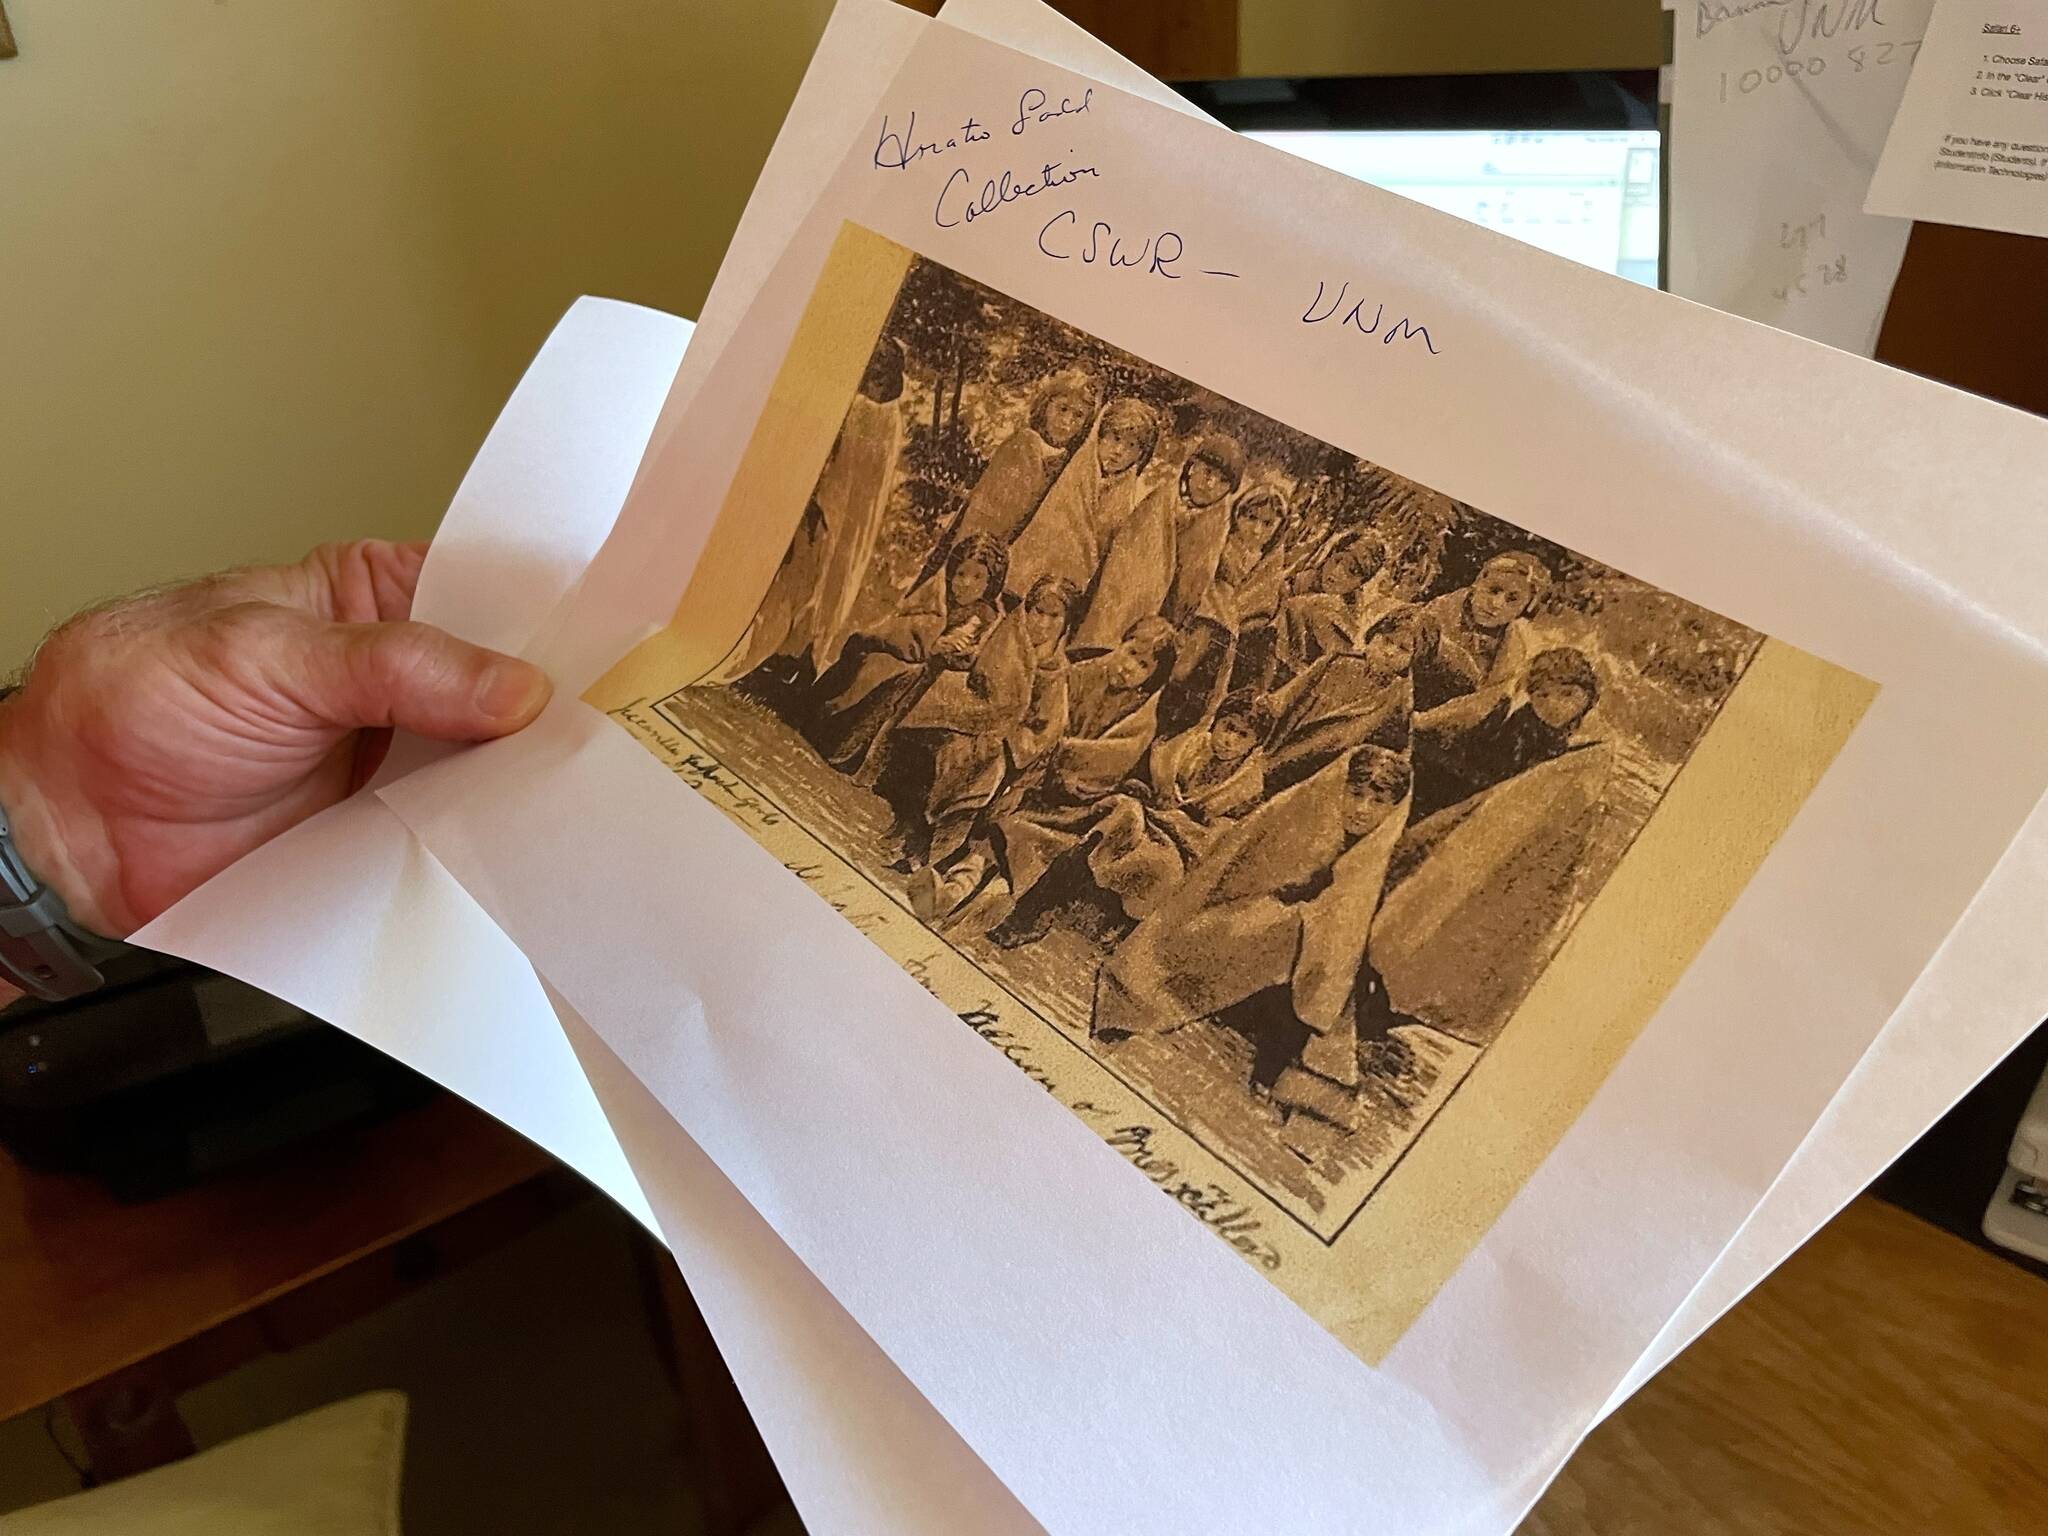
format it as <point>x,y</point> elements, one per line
<point>171,1073</point>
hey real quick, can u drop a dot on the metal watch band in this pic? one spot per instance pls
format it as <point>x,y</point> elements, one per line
<point>41,950</point>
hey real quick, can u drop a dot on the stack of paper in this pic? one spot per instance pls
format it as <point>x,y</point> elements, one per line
<point>1219,853</point>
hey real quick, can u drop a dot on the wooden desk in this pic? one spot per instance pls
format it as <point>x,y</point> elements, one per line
<point>118,1308</point>
<point>1889,1379</point>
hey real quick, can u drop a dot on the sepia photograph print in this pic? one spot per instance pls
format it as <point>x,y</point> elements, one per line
<point>1236,775</point>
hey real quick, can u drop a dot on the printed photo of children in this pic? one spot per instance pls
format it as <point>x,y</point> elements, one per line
<point>1270,778</point>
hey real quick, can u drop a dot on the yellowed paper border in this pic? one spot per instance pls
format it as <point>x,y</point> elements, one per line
<point>1781,726</point>
<point>826,357</point>
<point>1775,736</point>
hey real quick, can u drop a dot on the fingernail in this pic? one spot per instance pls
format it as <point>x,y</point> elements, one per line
<point>512,690</point>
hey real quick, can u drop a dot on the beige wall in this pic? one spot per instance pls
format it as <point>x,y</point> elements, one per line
<point>1446,37</point>
<point>267,270</point>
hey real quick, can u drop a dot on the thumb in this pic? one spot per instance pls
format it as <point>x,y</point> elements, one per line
<point>414,677</point>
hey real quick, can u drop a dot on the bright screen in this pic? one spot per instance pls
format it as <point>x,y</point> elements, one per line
<point>1588,196</point>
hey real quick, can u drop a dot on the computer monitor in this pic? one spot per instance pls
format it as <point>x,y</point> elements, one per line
<point>1567,162</point>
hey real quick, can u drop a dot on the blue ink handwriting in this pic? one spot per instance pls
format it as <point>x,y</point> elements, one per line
<point>1354,318</point>
<point>1031,108</point>
<point>1061,238</point>
<point>899,151</point>
<point>1006,188</point>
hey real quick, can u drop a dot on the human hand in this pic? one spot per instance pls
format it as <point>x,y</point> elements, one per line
<point>158,739</point>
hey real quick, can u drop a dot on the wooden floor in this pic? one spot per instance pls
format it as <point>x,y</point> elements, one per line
<point>1889,1379</point>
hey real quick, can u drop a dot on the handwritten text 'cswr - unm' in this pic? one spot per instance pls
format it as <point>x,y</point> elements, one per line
<point>1069,236</point>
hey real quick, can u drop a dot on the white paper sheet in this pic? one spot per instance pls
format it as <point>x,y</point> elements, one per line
<point>1970,142</point>
<point>560,746</point>
<point>1778,111</point>
<point>1983,995</point>
<point>1863,1131</point>
<point>859,1449</point>
<point>346,915</point>
<point>1990,983</point>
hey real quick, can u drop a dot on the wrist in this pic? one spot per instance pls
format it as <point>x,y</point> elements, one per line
<point>56,854</point>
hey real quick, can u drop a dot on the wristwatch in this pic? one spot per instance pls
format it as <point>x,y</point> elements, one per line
<point>42,950</point>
